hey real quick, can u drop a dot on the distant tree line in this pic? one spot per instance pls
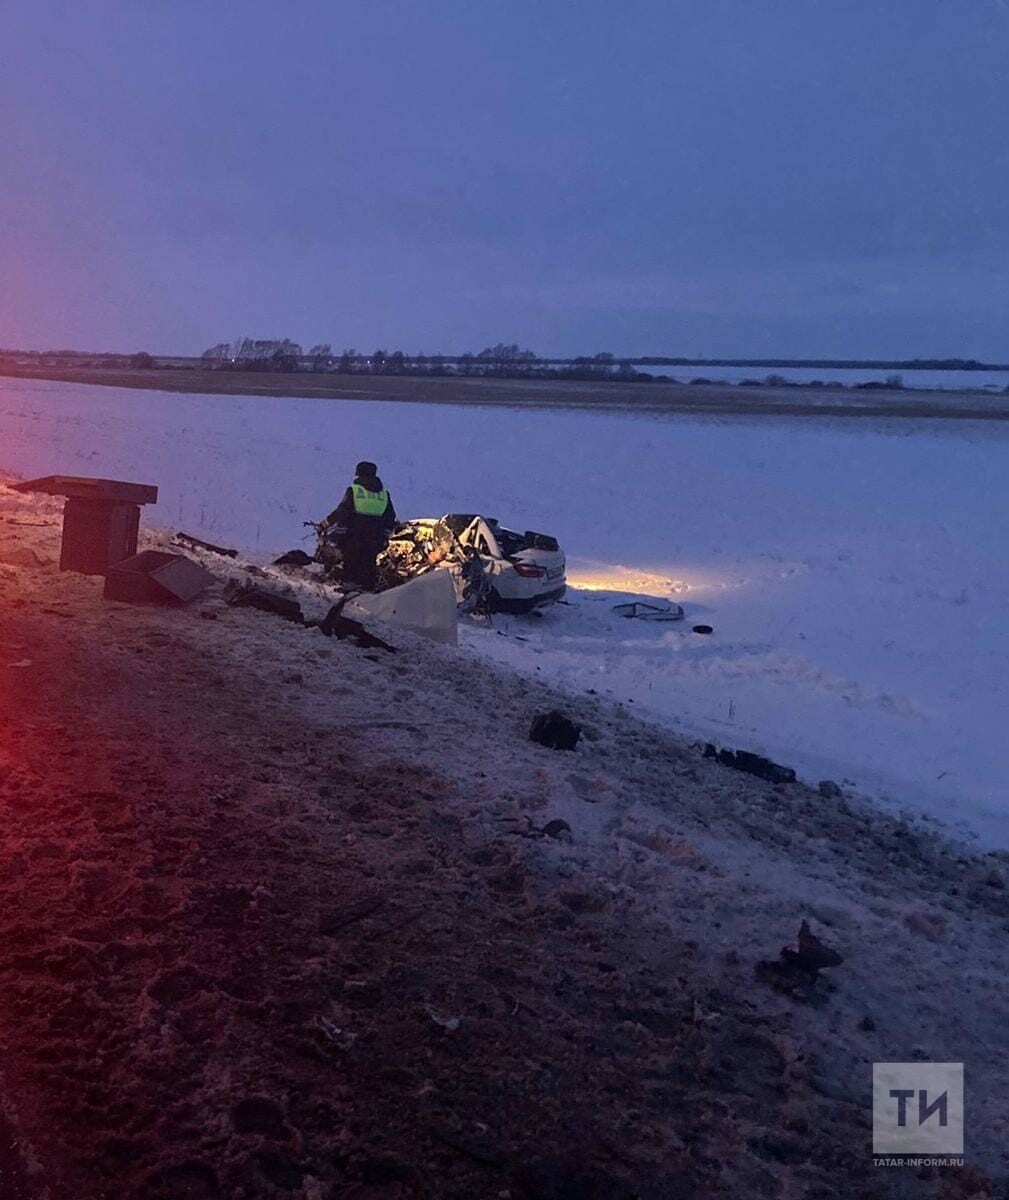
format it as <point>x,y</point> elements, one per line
<point>864,364</point>
<point>259,354</point>
<point>503,361</point>
<point>141,360</point>
<point>508,360</point>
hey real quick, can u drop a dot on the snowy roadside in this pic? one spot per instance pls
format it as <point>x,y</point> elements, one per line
<point>630,935</point>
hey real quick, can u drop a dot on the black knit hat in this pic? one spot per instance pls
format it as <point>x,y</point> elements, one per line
<point>367,470</point>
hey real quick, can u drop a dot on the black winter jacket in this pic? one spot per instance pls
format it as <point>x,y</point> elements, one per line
<point>360,526</point>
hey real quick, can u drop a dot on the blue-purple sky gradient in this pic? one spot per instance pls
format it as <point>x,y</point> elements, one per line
<point>699,177</point>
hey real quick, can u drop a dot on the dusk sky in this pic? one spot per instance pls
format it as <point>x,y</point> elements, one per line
<point>696,177</point>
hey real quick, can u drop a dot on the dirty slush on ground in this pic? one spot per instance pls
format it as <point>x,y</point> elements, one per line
<point>250,948</point>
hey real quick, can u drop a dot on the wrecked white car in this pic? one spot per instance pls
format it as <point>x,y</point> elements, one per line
<point>495,569</point>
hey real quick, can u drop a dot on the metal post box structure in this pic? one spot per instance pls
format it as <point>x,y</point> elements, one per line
<point>101,519</point>
<point>155,577</point>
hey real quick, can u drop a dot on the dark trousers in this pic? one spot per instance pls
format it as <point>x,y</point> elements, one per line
<point>359,564</point>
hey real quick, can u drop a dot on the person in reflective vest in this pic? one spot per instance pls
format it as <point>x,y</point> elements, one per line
<point>365,515</point>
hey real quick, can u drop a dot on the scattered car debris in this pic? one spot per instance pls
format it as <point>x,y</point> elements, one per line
<point>389,821</point>
<point>640,610</point>
<point>812,955</point>
<point>449,1024</point>
<point>343,1039</point>
<point>751,764</point>
<point>156,577</point>
<point>294,558</point>
<point>558,829</point>
<point>196,543</point>
<point>249,595</point>
<point>705,629</point>
<point>555,731</point>
<point>494,569</point>
<point>426,606</point>
<point>335,624</point>
<point>797,969</point>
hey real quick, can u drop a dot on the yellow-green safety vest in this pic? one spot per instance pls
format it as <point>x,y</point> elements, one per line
<point>367,503</point>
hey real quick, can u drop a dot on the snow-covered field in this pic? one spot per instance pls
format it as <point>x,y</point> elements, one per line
<point>855,574</point>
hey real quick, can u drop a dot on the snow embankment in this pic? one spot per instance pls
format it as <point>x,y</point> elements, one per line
<point>589,925</point>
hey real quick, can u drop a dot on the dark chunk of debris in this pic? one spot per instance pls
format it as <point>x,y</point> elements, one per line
<point>763,768</point>
<point>196,543</point>
<point>829,789</point>
<point>249,596</point>
<point>638,610</point>
<point>334,624</point>
<point>156,577</point>
<point>751,764</point>
<point>294,558</point>
<point>557,828</point>
<point>798,968</point>
<point>812,954</point>
<point>705,629</point>
<point>555,731</point>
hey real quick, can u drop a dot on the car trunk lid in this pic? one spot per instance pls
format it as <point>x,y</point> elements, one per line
<point>550,562</point>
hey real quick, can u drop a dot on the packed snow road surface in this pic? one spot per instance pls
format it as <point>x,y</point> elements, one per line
<point>854,573</point>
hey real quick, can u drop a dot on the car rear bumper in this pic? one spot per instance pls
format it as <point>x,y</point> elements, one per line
<point>509,604</point>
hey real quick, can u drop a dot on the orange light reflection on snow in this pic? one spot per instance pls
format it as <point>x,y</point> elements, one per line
<point>593,576</point>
